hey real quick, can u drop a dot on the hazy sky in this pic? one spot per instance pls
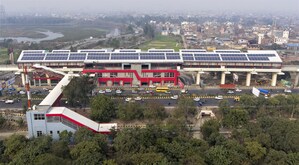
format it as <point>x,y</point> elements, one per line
<point>285,6</point>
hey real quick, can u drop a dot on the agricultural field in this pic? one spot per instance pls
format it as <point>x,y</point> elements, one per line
<point>163,42</point>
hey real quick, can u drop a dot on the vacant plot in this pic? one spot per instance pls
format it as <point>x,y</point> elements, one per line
<point>163,42</point>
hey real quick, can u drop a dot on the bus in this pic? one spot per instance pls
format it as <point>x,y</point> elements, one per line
<point>162,89</point>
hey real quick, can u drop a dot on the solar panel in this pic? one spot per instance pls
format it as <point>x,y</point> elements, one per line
<point>233,55</point>
<point>92,51</point>
<point>173,57</point>
<point>261,55</point>
<point>127,50</point>
<point>33,58</point>
<point>256,58</point>
<point>77,56</point>
<point>237,58</point>
<point>188,57</point>
<point>60,51</point>
<point>152,57</point>
<point>160,50</point>
<point>59,56</point>
<point>98,56</point>
<point>33,51</point>
<point>207,58</point>
<point>206,55</point>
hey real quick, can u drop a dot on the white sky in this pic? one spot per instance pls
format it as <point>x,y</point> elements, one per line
<point>282,6</point>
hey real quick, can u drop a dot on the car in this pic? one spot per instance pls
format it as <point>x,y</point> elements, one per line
<point>174,97</point>
<point>118,91</point>
<point>45,89</point>
<point>108,90</point>
<point>152,86</point>
<point>170,85</point>
<point>184,91</point>
<point>238,90</point>
<point>3,100</point>
<point>200,103</point>
<point>134,91</point>
<point>128,99</point>
<point>287,91</point>
<point>36,92</point>
<point>219,97</point>
<point>102,91</point>
<point>9,101</point>
<point>141,89</point>
<point>149,92</point>
<point>137,98</point>
<point>22,92</point>
<point>196,99</point>
<point>230,92</point>
<point>167,92</point>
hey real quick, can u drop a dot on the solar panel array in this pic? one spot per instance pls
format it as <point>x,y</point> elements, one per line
<point>128,51</point>
<point>33,56</point>
<point>92,51</point>
<point>161,51</point>
<point>77,56</point>
<point>124,56</point>
<point>193,51</point>
<point>28,56</point>
<point>60,51</point>
<point>227,51</point>
<point>33,51</point>
<point>56,57</point>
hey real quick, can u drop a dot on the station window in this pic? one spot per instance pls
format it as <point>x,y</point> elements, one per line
<point>51,132</point>
<point>39,133</point>
<point>39,116</point>
<point>58,132</point>
<point>169,74</point>
<point>157,74</point>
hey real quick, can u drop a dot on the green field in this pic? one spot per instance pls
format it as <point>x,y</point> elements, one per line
<point>3,55</point>
<point>163,42</point>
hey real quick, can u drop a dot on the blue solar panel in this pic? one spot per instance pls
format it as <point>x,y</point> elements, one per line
<point>92,51</point>
<point>98,56</point>
<point>233,55</point>
<point>127,50</point>
<point>55,57</point>
<point>206,55</point>
<point>188,57</point>
<point>152,57</point>
<point>193,51</point>
<point>261,55</point>
<point>173,57</point>
<point>207,58</point>
<point>230,58</point>
<point>124,57</point>
<point>33,58</point>
<point>228,51</point>
<point>33,51</point>
<point>77,56</point>
<point>256,58</point>
<point>157,51</point>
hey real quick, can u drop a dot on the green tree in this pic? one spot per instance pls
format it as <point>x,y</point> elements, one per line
<point>154,111</point>
<point>255,151</point>
<point>218,155</point>
<point>49,159</point>
<point>185,108</point>
<point>87,152</point>
<point>102,109</point>
<point>65,136</point>
<point>149,31</point>
<point>83,134</point>
<point>60,149</point>
<point>78,90</point>
<point>274,157</point>
<point>209,127</point>
<point>2,120</point>
<point>130,111</point>
<point>224,107</point>
<point>14,144</point>
<point>236,118</point>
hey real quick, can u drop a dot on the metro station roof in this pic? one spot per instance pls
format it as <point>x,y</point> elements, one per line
<point>152,55</point>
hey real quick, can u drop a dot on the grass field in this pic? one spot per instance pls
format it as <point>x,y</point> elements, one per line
<point>163,42</point>
<point>3,55</point>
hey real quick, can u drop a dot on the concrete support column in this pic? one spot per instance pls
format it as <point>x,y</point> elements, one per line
<point>39,82</point>
<point>274,79</point>
<point>248,79</point>
<point>48,80</point>
<point>222,78</point>
<point>23,79</point>
<point>296,80</point>
<point>34,82</point>
<point>198,78</point>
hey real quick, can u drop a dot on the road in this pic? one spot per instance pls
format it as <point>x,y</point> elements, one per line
<point>207,96</point>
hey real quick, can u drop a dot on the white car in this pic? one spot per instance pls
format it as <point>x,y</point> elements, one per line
<point>219,97</point>
<point>287,91</point>
<point>102,91</point>
<point>45,89</point>
<point>128,99</point>
<point>184,91</point>
<point>152,86</point>
<point>196,99</point>
<point>137,98</point>
<point>118,91</point>
<point>238,90</point>
<point>9,101</point>
<point>22,92</point>
<point>170,85</point>
<point>108,90</point>
<point>167,92</point>
<point>174,97</point>
<point>230,92</point>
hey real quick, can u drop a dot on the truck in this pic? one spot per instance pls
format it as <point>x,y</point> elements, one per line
<point>265,92</point>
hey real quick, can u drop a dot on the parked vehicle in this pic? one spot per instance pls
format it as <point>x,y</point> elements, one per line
<point>196,99</point>
<point>287,91</point>
<point>22,92</point>
<point>102,91</point>
<point>118,91</point>
<point>128,99</point>
<point>137,98</point>
<point>230,92</point>
<point>108,90</point>
<point>238,90</point>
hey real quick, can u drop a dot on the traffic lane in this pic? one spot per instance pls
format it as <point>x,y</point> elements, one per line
<point>16,104</point>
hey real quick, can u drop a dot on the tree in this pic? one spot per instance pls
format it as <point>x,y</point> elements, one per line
<point>154,111</point>
<point>224,107</point>
<point>2,120</point>
<point>218,155</point>
<point>78,90</point>
<point>102,109</point>
<point>49,159</point>
<point>275,158</point>
<point>14,144</point>
<point>255,151</point>
<point>236,118</point>
<point>65,136</point>
<point>149,31</point>
<point>209,127</point>
<point>130,111</point>
<point>185,108</point>
<point>83,134</point>
<point>87,152</point>
<point>60,149</point>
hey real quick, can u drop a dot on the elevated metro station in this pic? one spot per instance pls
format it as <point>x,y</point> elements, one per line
<point>133,67</point>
